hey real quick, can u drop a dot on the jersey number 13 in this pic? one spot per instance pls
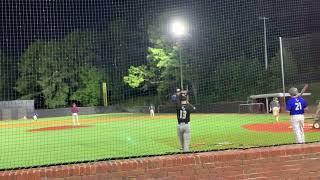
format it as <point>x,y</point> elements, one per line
<point>183,114</point>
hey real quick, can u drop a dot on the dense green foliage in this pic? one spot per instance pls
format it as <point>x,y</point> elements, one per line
<point>8,74</point>
<point>58,71</point>
<point>160,71</point>
<point>89,89</point>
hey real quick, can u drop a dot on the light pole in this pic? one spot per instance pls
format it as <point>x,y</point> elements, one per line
<point>265,41</point>
<point>180,62</point>
<point>178,29</point>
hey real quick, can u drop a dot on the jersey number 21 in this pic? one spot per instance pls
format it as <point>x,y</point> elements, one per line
<point>298,106</point>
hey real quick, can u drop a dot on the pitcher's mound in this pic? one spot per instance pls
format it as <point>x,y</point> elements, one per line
<point>56,128</point>
<point>277,127</point>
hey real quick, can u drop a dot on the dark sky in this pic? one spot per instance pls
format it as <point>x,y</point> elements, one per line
<point>23,21</point>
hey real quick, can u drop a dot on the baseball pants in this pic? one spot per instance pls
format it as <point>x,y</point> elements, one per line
<point>152,113</point>
<point>297,126</point>
<point>184,134</point>
<point>75,119</point>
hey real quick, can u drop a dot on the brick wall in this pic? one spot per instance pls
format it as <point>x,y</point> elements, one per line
<point>284,162</point>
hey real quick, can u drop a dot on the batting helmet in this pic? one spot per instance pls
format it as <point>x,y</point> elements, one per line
<point>174,98</point>
<point>293,91</point>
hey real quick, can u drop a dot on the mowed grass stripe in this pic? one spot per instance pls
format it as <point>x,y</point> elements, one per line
<point>64,121</point>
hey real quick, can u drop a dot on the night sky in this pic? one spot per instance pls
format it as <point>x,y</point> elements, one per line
<point>25,21</point>
<point>22,22</point>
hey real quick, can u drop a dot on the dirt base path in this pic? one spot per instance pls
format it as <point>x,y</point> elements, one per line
<point>55,128</point>
<point>277,127</point>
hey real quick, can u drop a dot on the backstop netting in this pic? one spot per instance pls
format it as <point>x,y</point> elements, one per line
<point>100,77</point>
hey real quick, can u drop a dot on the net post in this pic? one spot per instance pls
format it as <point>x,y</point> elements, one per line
<point>282,72</point>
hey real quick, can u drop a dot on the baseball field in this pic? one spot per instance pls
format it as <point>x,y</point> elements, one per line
<point>49,141</point>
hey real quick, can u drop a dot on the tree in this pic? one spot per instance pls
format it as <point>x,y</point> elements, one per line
<point>160,70</point>
<point>290,70</point>
<point>119,45</point>
<point>43,74</point>
<point>235,80</point>
<point>89,89</point>
<point>137,76</point>
<point>54,89</point>
<point>54,71</point>
<point>31,67</point>
<point>7,77</point>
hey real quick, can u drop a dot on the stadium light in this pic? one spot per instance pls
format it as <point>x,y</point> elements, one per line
<point>179,30</point>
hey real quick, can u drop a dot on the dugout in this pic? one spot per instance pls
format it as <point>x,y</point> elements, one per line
<point>267,98</point>
<point>17,109</point>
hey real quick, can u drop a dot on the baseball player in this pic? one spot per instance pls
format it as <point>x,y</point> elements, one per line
<point>75,114</point>
<point>35,116</point>
<point>296,107</point>
<point>275,107</point>
<point>151,109</point>
<point>317,114</point>
<point>175,97</point>
<point>318,111</point>
<point>183,97</point>
<point>183,129</point>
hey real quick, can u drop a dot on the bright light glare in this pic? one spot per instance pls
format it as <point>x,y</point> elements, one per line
<point>178,28</point>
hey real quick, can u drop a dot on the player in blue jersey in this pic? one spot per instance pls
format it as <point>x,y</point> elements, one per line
<point>175,96</point>
<point>296,106</point>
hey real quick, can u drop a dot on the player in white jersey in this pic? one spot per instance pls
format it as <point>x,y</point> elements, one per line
<point>275,108</point>
<point>151,109</point>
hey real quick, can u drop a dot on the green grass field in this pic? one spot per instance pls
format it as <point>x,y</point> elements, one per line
<point>124,135</point>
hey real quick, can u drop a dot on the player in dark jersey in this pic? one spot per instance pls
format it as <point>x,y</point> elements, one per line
<point>184,110</point>
<point>296,106</point>
<point>183,96</point>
